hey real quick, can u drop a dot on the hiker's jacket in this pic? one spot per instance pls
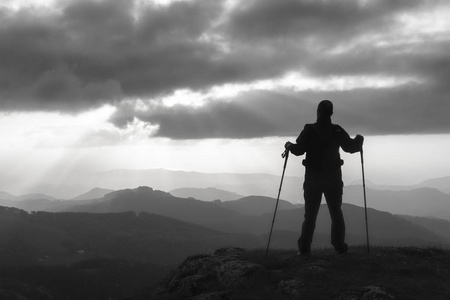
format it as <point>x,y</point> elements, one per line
<point>321,143</point>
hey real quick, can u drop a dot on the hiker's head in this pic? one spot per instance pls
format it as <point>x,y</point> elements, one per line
<point>325,109</point>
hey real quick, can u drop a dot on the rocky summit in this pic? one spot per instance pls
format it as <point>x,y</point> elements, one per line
<point>236,273</point>
<point>210,276</point>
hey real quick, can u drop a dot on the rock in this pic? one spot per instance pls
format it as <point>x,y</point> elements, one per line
<point>235,273</point>
<point>315,268</point>
<point>318,266</point>
<point>222,295</point>
<point>291,288</point>
<point>229,251</point>
<point>209,276</point>
<point>366,293</point>
<point>192,277</point>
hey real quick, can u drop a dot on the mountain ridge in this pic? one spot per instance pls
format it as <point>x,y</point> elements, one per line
<point>205,194</point>
<point>60,237</point>
<point>422,202</point>
<point>245,184</point>
<point>93,193</point>
<point>255,205</point>
<point>440,183</point>
<point>212,215</point>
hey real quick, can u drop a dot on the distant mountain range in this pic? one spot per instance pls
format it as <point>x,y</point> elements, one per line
<point>242,184</point>
<point>62,238</point>
<point>205,194</point>
<point>422,202</point>
<point>42,202</point>
<point>93,194</point>
<point>255,205</point>
<point>168,180</point>
<point>65,191</point>
<point>7,196</point>
<point>38,196</point>
<point>442,184</point>
<point>234,217</point>
<point>439,226</point>
<point>30,202</point>
<point>145,199</point>
<point>156,227</point>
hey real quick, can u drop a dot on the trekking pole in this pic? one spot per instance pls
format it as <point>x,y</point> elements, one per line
<point>285,155</point>
<point>365,202</point>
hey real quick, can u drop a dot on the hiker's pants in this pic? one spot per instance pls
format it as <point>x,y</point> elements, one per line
<point>313,198</point>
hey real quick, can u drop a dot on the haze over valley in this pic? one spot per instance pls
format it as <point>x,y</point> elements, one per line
<point>225,202</point>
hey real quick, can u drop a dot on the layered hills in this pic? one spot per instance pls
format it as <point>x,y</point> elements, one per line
<point>205,194</point>
<point>253,214</point>
<point>61,238</point>
<point>234,217</point>
<point>93,194</point>
<point>148,231</point>
<point>168,180</point>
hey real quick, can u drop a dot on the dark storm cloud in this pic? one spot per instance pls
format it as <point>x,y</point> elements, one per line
<point>409,109</point>
<point>315,27</point>
<point>405,110</point>
<point>255,114</point>
<point>323,21</point>
<point>39,69</point>
<point>88,53</point>
<point>261,20</point>
<point>105,51</point>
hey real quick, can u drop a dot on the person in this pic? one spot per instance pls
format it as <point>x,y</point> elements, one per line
<point>321,142</point>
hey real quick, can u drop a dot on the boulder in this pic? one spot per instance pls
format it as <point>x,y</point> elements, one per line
<point>207,276</point>
<point>366,293</point>
<point>291,288</point>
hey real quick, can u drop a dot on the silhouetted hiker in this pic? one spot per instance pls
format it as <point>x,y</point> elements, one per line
<point>321,141</point>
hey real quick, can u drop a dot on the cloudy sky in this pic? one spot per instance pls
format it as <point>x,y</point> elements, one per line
<point>219,86</point>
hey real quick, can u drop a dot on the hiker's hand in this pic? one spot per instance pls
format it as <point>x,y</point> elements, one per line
<point>287,145</point>
<point>359,139</point>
